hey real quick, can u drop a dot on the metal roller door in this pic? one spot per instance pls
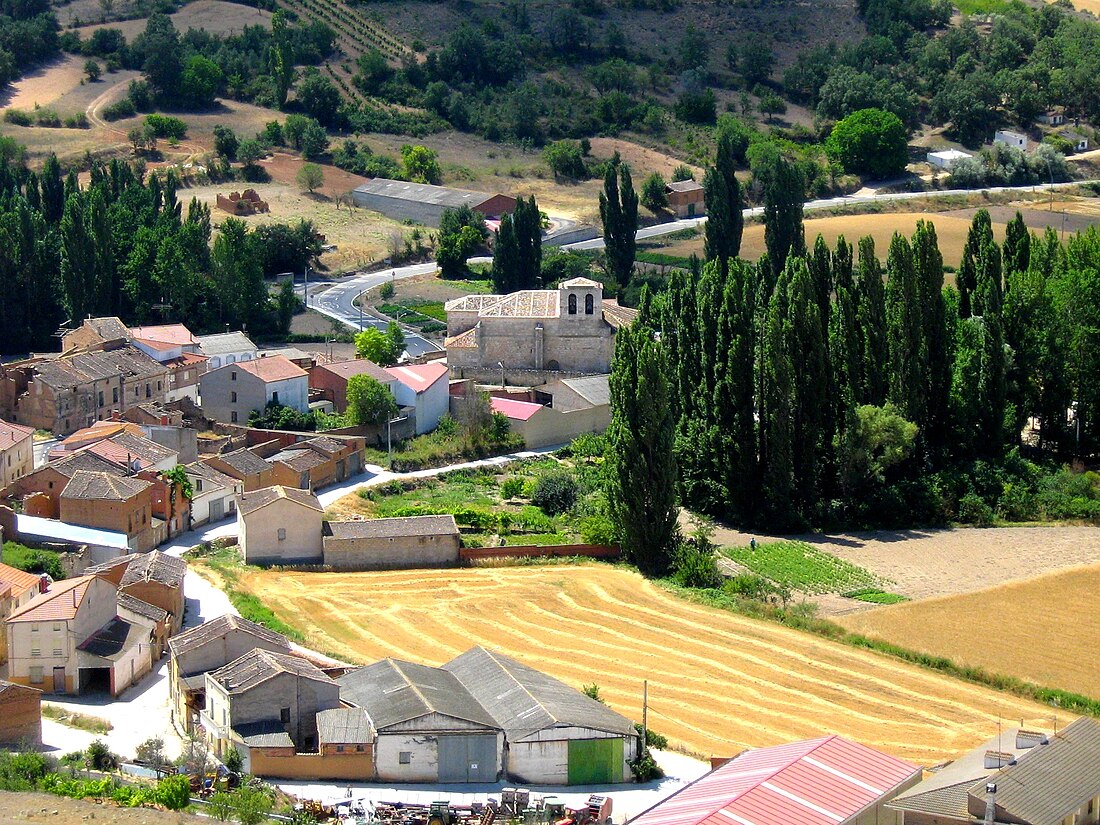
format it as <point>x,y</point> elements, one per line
<point>595,761</point>
<point>468,758</point>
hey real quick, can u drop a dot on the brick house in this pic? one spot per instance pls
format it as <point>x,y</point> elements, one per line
<point>114,503</point>
<point>332,379</point>
<point>16,452</point>
<point>95,332</point>
<point>231,393</point>
<point>280,525</point>
<point>40,491</point>
<point>685,198</point>
<point>154,577</point>
<point>245,466</point>
<point>20,715</point>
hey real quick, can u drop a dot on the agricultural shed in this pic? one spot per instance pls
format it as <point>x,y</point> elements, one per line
<point>1035,779</point>
<point>554,734</point>
<point>428,726</point>
<point>390,543</point>
<point>946,158</point>
<point>827,781</point>
<point>425,203</point>
<point>280,525</point>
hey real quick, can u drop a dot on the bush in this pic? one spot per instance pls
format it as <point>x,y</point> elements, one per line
<point>652,738</point>
<point>588,445</point>
<point>174,792</point>
<point>18,117</point>
<point>511,488</point>
<point>974,510</point>
<point>695,566</point>
<point>48,118</point>
<point>386,291</point>
<point>164,126</point>
<point>122,109</point>
<point>100,757</point>
<point>597,530</point>
<point>77,121</point>
<point>555,492</point>
<point>33,561</point>
<point>645,767</point>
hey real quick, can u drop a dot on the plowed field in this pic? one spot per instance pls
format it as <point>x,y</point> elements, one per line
<point>718,682</point>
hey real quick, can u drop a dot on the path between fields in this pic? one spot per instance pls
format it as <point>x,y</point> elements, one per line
<point>92,113</point>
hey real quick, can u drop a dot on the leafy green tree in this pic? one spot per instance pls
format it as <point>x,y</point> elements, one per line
<point>770,104</point>
<point>755,60</point>
<point>619,216</point>
<point>784,190</point>
<point>310,177</point>
<point>226,142</point>
<point>878,439</point>
<point>369,402</point>
<point>421,164</point>
<point>319,97</point>
<point>908,353</point>
<point>722,197</point>
<point>377,346</point>
<point>314,140</point>
<point>641,467</point>
<point>653,196</point>
<point>238,275</point>
<point>565,159</point>
<point>505,258</point>
<point>281,57</point>
<point>249,152</point>
<point>160,51</point>
<point>201,81</point>
<point>92,70</point>
<point>694,49</point>
<point>870,300</point>
<point>527,223</point>
<point>871,142</point>
<point>250,805</point>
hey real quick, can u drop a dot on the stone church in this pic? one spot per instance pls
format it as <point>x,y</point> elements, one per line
<point>535,335</point>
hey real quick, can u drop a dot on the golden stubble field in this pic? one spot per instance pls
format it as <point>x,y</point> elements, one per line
<point>1042,630</point>
<point>718,682</point>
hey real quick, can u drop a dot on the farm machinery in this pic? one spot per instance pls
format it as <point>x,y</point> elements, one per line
<point>515,807</point>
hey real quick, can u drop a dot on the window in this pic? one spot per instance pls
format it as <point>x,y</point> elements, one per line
<point>274,398</point>
<point>36,651</point>
<point>34,628</point>
<point>233,397</point>
<point>284,714</point>
<point>358,748</point>
<point>232,375</point>
<point>229,359</point>
<point>158,386</point>
<point>114,395</point>
<point>405,758</point>
<point>101,398</point>
<point>57,626</point>
<point>36,676</point>
<point>148,391</point>
<point>198,485</point>
<point>588,304</point>
<point>233,417</point>
<point>572,304</point>
<point>57,651</point>
<point>282,534</point>
<point>339,748</point>
<point>51,485</point>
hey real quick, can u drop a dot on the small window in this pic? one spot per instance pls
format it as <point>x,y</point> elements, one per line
<point>36,676</point>
<point>232,375</point>
<point>51,485</point>
<point>57,626</point>
<point>36,651</point>
<point>284,714</point>
<point>101,398</point>
<point>282,534</point>
<point>588,304</point>
<point>148,391</point>
<point>405,758</point>
<point>339,748</point>
<point>34,628</point>
<point>572,304</point>
<point>198,485</point>
<point>358,748</point>
<point>57,651</point>
<point>274,398</point>
<point>233,417</point>
<point>114,395</point>
<point>233,397</point>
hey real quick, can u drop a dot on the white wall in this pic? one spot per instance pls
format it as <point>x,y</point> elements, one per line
<point>293,392</point>
<point>259,533</point>
<point>424,764</point>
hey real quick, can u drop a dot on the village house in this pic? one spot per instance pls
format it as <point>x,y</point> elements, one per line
<point>317,462</point>
<point>94,333</point>
<point>231,393</point>
<point>685,198</point>
<point>206,648</point>
<point>1019,776</point>
<point>155,578</point>
<point>424,203</point>
<point>533,336</point>
<point>1006,137</point>
<point>560,416</point>
<point>1079,142</point>
<point>177,349</point>
<point>280,525</point>
<point>278,693</point>
<point>331,380</point>
<point>114,503</point>
<point>245,466</point>
<point>391,543</point>
<point>20,716</point>
<point>425,388</point>
<point>428,728</point>
<point>39,493</point>
<point>213,493</point>
<point>297,356</point>
<point>226,348</point>
<point>62,393</point>
<point>17,587</point>
<point>946,159</point>
<point>16,452</point>
<point>827,781</point>
<point>72,639</point>
<point>553,734</point>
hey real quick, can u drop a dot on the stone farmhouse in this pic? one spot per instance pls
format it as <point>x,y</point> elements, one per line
<point>534,336</point>
<point>280,525</point>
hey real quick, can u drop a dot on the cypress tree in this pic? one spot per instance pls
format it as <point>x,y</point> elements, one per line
<point>1016,252</point>
<point>641,477</point>
<point>506,257</point>
<point>871,320</point>
<point>777,406</point>
<point>821,274</point>
<point>619,216</point>
<point>722,197</point>
<point>784,191</point>
<point>842,265</point>
<point>734,390</point>
<point>53,190</point>
<point>527,226</point>
<point>966,280</point>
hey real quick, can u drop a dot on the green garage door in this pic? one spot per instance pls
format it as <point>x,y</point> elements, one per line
<point>595,761</point>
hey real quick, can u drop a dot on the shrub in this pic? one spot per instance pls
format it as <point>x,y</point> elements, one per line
<point>140,93</point>
<point>47,117</point>
<point>597,530</point>
<point>973,510</point>
<point>122,109</point>
<point>386,291</point>
<point>174,792</point>
<point>164,126</point>
<point>100,757</point>
<point>555,492</point>
<point>588,445</point>
<point>695,566</point>
<point>511,488</point>
<point>18,117</point>
<point>77,121</point>
<point>234,761</point>
<point>645,767</point>
<point>652,738</point>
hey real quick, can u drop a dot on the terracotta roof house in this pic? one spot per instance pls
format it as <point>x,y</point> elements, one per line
<point>206,648</point>
<point>685,198</point>
<point>245,466</point>
<point>20,715</point>
<point>17,587</point>
<point>542,425</point>
<point>175,334</point>
<point>537,335</point>
<point>280,525</point>
<point>233,392</point>
<point>114,503</point>
<point>425,388</point>
<point>331,380</point>
<point>71,639</point>
<point>16,452</point>
<point>827,781</point>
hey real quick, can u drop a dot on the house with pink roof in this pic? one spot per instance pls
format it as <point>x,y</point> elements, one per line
<point>424,387</point>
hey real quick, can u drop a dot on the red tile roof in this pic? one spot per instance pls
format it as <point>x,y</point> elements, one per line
<point>59,603</point>
<point>519,410</point>
<point>12,434</point>
<point>19,581</point>
<point>273,368</point>
<point>117,454</point>
<point>360,366</point>
<point>174,334</point>
<point>418,377</point>
<point>159,346</point>
<point>824,781</point>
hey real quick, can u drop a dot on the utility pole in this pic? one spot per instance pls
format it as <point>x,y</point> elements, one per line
<point>305,286</point>
<point>360,302</point>
<point>645,712</point>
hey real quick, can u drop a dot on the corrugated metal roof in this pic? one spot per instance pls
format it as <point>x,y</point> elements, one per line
<point>48,528</point>
<point>225,343</point>
<point>392,691</point>
<point>524,701</point>
<point>217,628</point>
<point>824,781</point>
<point>265,734</point>
<point>424,193</point>
<point>344,726</point>
<point>1051,781</point>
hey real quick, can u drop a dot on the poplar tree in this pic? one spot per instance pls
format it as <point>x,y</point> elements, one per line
<point>619,216</point>
<point>527,228</point>
<point>78,260</point>
<point>908,356</point>
<point>966,279</point>
<point>722,198</point>
<point>928,263</point>
<point>783,194</point>
<point>871,319</point>
<point>641,467</point>
<point>1016,251</point>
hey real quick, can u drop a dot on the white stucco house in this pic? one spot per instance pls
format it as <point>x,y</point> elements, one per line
<point>226,348</point>
<point>424,387</point>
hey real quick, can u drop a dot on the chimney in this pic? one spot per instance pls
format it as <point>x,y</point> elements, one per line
<point>990,803</point>
<point>998,759</point>
<point>1029,739</point>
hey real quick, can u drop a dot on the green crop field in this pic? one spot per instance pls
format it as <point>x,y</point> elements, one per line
<point>801,566</point>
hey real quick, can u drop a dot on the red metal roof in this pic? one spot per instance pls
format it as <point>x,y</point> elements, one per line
<point>12,434</point>
<point>418,377</point>
<point>825,781</point>
<point>518,410</point>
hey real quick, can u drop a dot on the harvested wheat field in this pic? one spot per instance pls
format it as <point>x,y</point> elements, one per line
<point>1042,630</point>
<point>718,682</point>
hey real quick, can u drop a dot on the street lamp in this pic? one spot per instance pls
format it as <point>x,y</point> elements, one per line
<point>359,301</point>
<point>501,365</point>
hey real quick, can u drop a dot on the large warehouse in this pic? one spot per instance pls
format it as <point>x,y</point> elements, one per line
<point>423,203</point>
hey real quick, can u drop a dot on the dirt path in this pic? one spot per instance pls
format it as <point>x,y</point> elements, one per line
<point>55,810</point>
<point>925,563</point>
<point>110,95</point>
<point>718,682</point>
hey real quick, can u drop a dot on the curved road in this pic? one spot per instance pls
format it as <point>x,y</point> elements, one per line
<point>336,300</point>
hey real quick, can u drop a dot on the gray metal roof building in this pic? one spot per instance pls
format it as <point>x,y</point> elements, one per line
<point>425,203</point>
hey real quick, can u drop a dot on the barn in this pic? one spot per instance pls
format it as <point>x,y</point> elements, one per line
<point>424,203</point>
<point>428,727</point>
<point>554,734</point>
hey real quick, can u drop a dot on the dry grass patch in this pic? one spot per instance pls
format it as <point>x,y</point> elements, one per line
<point>1043,630</point>
<point>718,681</point>
<point>215,16</point>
